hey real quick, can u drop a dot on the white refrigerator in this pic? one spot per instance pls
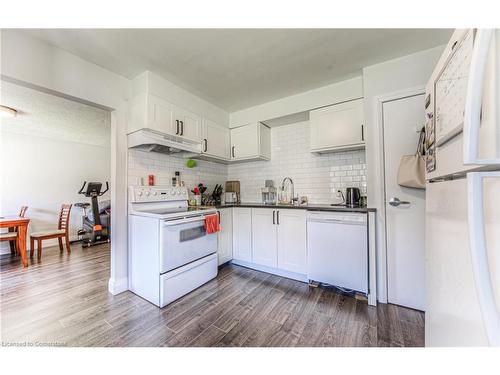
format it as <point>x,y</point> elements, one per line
<point>463,193</point>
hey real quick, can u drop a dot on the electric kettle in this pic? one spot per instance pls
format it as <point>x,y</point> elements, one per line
<point>352,197</point>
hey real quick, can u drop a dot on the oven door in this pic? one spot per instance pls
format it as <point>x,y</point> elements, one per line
<point>183,241</point>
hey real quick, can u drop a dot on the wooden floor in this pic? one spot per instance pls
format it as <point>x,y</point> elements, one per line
<point>64,301</point>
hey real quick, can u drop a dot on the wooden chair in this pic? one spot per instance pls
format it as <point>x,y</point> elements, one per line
<point>61,232</point>
<point>11,235</point>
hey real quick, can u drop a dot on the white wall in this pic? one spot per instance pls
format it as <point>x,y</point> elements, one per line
<point>380,79</point>
<point>335,93</point>
<point>31,62</point>
<point>46,174</point>
<point>62,143</point>
<point>316,176</point>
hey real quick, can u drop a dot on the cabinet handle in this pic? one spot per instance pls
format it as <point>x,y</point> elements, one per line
<point>274,213</point>
<point>363,133</point>
<point>278,217</point>
<point>218,213</point>
<point>232,151</point>
<point>206,144</point>
<point>177,126</point>
<point>182,127</point>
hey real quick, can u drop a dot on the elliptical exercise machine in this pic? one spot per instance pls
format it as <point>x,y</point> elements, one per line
<point>96,228</point>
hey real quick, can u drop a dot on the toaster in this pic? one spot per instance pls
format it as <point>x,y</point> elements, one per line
<point>231,197</point>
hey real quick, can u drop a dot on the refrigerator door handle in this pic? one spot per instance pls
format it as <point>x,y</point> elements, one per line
<point>479,255</point>
<point>474,98</point>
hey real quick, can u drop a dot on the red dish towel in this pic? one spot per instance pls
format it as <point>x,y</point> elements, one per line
<point>212,224</point>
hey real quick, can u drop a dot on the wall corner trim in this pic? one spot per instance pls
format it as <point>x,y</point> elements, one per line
<point>117,286</point>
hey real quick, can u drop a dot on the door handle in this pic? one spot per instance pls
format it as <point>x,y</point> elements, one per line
<point>394,201</point>
<point>206,144</point>
<point>177,126</point>
<point>232,151</point>
<point>362,133</point>
<point>182,127</point>
<point>274,217</point>
<point>278,217</point>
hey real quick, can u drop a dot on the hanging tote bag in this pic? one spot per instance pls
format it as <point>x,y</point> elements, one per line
<point>411,171</point>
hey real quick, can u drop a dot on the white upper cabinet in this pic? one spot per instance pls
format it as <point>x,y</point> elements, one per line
<point>292,253</point>
<point>152,112</point>
<point>190,125</point>
<point>264,240</point>
<point>251,142</point>
<point>337,127</point>
<point>216,140</point>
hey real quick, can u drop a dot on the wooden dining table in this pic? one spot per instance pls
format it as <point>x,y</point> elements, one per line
<point>21,223</point>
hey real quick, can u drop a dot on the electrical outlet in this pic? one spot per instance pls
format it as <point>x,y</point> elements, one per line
<point>338,194</point>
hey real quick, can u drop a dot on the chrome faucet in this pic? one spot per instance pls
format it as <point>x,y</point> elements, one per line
<point>292,198</point>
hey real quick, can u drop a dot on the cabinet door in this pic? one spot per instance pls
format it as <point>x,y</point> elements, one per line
<point>337,126</point>
<point>191,126</point>
<point>244,142</point>
<point>216,140</point>
<point>242,234</point>
<point>264,240</point>
<point>225,236</point>
<point>160,115</point>
<point>292,253</point>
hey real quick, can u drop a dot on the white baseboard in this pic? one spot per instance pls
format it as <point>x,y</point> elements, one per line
<point>117,286</point>
<point>274,271</point>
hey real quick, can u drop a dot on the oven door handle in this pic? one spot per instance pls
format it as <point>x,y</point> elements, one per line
<point>169,223</point>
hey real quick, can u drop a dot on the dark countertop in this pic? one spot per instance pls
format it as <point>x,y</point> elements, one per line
<point>309,207</point>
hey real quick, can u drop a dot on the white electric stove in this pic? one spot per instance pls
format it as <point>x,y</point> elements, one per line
<point>170,252</point>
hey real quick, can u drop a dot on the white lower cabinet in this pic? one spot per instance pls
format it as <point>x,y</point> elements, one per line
<point>242,234</point>
<point>264,239</point>
<point>279,239</point>
<point>225,236</point>
<point>292,240</point>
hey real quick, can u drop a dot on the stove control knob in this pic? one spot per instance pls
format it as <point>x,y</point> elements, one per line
<point>147,193</point>
<point>155,193</point>
<point>139,193</point>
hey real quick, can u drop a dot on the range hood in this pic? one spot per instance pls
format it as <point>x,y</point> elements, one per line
<point>154,141</point>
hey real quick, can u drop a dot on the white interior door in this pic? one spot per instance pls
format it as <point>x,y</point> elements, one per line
<point>405,223</point>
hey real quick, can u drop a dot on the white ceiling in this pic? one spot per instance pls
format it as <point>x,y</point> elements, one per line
<point>240,68</point>
<point>49,116</point>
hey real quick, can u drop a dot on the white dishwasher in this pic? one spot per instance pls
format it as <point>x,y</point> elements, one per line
<point>337,249</point>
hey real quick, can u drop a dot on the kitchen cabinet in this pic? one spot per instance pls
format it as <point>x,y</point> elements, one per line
<point>337,127</point>
<point>279,239</point>
<point>216,140</point>
<point>152,112</point>
<point>251,142</point>
<point>242,234</point>
<point>264,239</point>
<point>292,240</point>
<point>190,124</point>
<point>225,235</point>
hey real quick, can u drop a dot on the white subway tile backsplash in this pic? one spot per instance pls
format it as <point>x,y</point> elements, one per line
<point>316,176</point>
<point>141,164</point>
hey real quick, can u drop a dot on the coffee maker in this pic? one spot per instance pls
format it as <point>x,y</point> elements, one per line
<point>269,193</point>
